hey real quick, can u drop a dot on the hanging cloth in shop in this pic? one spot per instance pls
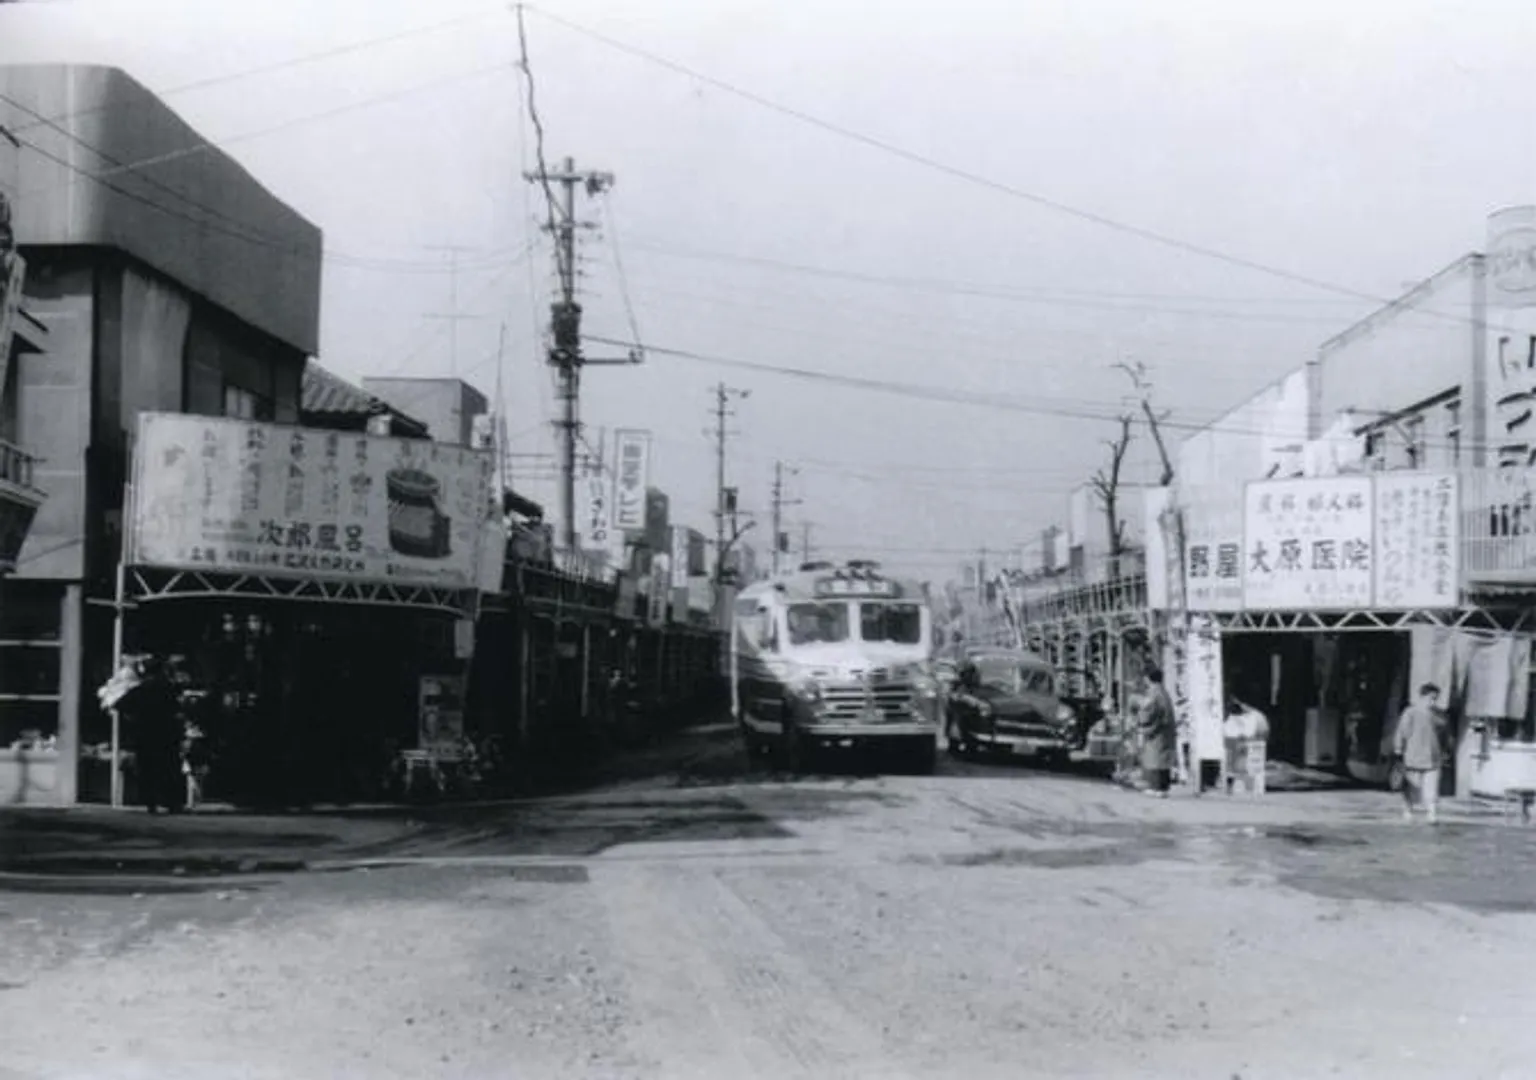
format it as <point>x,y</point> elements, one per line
<point>1497,679</point>
<point>1482,675</point>
<point>1434,660</point>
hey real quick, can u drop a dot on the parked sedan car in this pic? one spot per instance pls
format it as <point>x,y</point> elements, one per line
<point>1004,702</point>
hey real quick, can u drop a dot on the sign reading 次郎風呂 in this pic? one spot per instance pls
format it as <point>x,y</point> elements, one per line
<point>217,494</point>
<point>631,476</point>
<point>1418,540</point>
<point>1308,544</point>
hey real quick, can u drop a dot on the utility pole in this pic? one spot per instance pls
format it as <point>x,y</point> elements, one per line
<point>805,541</point>
<point>565,320</point>
<point>452,314</point>
<point>779,503</point>
<point>725,498</point>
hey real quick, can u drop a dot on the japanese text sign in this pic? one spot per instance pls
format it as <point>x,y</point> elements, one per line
<point>597,491</point>
<point>1308,544</point>
<point>1418,540</point>
<point>631,476</point>
<point>1213,555</point>
<point>229,495</point>
<point>1206,692</point>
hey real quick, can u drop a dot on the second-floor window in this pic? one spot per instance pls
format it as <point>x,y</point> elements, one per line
<point>242,404</point>
<point>1413,439</point>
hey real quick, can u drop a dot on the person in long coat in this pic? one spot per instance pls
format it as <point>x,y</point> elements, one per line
<point>153,718</point>
<point>1159,735</point>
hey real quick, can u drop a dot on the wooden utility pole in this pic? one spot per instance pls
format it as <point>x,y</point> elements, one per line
<point>779,503</point>
<point>452,315</point>
<point>727,529</point>
<point>565,321</point>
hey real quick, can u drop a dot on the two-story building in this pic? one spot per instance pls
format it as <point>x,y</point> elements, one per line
<point>167,279</point>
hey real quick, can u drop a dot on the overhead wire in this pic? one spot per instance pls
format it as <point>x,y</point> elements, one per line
<point>1053,298</point>
<point>977,179</point>
<point>943,394</point>
<point>292,62</point>
<point>211,217</point>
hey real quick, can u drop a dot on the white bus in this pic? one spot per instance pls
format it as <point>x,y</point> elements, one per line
<point>830,656</point>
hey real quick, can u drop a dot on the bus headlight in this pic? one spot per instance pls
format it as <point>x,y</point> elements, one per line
<point>807,690</point>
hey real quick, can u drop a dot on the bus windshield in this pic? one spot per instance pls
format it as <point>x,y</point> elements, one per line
<point>899,624</point>
<point>811,624</point>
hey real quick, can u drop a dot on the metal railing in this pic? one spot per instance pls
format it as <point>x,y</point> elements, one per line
<point>1498,525</point>
<point>17,466</point>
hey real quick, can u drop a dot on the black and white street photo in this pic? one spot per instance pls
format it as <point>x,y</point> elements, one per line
<point>712,539</point>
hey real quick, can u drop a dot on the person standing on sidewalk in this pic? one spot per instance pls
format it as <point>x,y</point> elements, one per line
<point>1418,744</point>
<point>153,715</point>
<point>1159,734</point>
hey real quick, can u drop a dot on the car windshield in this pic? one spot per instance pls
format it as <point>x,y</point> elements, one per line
<point>900,624</point>
<point>1009,676</point>
<point>811,624</point>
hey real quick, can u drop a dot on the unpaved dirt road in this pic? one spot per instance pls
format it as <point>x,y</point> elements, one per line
<point>989,922</point>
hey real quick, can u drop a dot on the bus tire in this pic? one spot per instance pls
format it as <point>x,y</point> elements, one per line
<point>923,757</point>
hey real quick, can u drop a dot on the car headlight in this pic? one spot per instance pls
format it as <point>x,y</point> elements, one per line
<point>983,710</point>
<point>1065,714</point>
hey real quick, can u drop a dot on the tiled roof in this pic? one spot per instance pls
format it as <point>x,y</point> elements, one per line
<point>325,392</point>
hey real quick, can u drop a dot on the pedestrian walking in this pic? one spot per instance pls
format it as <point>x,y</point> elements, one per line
<point>1419,744</point>
<point>1159,734</point>
<point>151,710</point>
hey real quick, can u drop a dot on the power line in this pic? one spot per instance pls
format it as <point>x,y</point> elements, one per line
<point>206,145</point>
<point>283,65</point>
<point>956,172</point>
<point>211,216</point>
<point>1129,302</point>
<point>951,396</point>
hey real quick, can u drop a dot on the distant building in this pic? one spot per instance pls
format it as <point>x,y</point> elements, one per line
<point>449,407</point>
<point>329,401</point>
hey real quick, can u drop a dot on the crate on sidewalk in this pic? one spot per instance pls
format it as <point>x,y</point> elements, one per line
<point>1246,763</point>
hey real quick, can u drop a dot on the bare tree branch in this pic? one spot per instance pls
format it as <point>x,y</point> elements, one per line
<point>1106,483</point>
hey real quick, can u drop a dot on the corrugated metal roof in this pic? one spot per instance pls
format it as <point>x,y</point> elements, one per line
<point>326,392</point>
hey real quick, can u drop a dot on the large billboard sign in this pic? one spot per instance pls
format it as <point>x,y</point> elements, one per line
<point>1308,545</point>
<point>217,494</point>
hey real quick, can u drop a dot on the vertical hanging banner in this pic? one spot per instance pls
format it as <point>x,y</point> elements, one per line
<point>1308,544</point>
<point>680,543</point>
<point>631,477</point>
<point>1418,540</point>
<point>1207,694</point>
<point>596,491</point>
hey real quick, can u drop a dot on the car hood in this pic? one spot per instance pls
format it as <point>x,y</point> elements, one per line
<point>1004,703</point>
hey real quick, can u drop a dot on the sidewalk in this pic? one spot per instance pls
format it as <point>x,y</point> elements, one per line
<point>219,839</point>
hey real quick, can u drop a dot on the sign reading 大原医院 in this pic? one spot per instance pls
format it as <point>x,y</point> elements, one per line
<point>217,494</point>
<point>1308,544</point>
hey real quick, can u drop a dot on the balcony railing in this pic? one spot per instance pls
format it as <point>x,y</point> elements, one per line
<point>1498,527</point>
<point>17,468</point>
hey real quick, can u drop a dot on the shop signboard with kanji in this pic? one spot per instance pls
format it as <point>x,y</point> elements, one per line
<point>1308,544</point>
<point>1213,553</point>
<point>631,477</point>
<point>217,494</point>
<point>1418,540</point>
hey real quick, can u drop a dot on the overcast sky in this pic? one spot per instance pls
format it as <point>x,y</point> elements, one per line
<point>1361,145</point>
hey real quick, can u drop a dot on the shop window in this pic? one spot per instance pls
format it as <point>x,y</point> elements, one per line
<point>242,404</point>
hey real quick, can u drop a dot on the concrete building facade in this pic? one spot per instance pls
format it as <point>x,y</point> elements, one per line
<point>167,279</point>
